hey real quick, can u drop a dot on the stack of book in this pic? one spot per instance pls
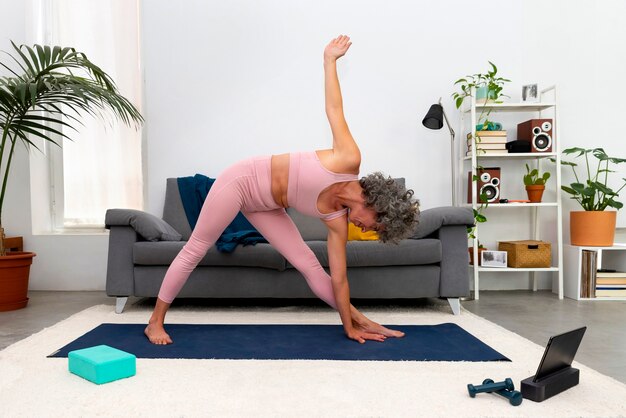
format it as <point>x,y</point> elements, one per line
<point>610,284</point>
<point>487,143</point>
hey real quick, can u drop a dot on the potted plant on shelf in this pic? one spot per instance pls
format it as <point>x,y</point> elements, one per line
<point>594,225</point>
<point>535,185</point>
<point>45,93</point>
<point>488,87</point>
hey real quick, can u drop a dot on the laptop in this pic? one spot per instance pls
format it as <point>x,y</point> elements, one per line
<point>559,353</point>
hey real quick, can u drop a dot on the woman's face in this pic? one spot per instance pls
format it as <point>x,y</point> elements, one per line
<point>364,218</point>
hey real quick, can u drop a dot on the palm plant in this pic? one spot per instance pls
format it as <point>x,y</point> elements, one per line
<point>47,90</point>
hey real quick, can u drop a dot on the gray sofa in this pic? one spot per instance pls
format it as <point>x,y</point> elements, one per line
<point>433,263</point>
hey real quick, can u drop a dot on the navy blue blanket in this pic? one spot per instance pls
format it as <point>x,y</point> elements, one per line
<point>193,192</point>
<point>443,342</point>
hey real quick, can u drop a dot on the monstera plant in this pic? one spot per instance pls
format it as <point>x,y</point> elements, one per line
<point>592,189</point>
<point>43,93</point>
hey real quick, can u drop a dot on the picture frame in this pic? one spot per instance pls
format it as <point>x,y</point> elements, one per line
<point>530,93</point>
<point>497,259</point>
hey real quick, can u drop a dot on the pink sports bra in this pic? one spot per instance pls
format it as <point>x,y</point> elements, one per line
<point>307,179</point>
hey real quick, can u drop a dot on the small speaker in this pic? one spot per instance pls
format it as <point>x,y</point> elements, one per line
<point>488,184</point>
<point>538,132</point>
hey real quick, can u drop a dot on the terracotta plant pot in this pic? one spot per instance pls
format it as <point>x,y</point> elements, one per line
<point>471,254</point>
<point>592,228</point>
<point>14,272</point>
<point>535,192</point>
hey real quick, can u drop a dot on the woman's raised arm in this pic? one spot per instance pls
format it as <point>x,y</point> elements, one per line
<point>344,145</point>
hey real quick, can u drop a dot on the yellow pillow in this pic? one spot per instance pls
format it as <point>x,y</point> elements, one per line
<point>355,234</point>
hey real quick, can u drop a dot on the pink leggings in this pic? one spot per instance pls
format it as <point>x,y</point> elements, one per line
<point>246,187</point>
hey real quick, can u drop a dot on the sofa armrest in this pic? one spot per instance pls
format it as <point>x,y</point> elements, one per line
<point>431,220</point>
<point>120,266</point>
<point>145,224</point>
<point>454,280</point>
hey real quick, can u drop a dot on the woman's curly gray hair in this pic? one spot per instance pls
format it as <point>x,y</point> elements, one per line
<point>397,211</point>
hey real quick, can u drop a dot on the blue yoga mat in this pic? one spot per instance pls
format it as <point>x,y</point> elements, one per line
<point>444,342</point>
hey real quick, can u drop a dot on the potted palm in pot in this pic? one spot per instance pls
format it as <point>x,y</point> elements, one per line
<point>47,89</point>
<point>594,225</point>
<point>535,184</point>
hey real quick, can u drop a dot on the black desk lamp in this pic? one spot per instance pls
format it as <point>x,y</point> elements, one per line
<point>434,120</point>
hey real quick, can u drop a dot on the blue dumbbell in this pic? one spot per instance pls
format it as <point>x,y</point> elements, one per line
<point>514,396</point>
<point>489,386</point>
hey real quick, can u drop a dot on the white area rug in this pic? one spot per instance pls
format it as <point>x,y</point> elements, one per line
<point>35,386</point>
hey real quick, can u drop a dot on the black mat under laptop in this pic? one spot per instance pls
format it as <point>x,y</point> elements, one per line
<point>443,342</point>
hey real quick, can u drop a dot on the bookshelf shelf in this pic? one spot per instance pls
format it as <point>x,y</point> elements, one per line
<point>513,270</point>
<point>607,257</point>
<point>515,205</point>
<point>514,107</point>
<point>520,155</point>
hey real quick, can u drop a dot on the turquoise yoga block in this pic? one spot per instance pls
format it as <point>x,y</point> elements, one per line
<point>102,364</point>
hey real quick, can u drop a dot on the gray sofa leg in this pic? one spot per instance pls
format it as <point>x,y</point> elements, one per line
<point>120,303</point>
<point>455,304</point>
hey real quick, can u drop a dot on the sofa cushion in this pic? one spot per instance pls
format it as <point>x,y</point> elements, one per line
<point>163,253</point>
<point>431,220</point>
<point>374,253</point>
<point>145,224</point>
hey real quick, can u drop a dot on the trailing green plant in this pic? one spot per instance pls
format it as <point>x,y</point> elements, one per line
<point>47,90</point>
<point>494,85</point>
<point>593,192</point>
<point>532,177</point>
<point>479,216</point>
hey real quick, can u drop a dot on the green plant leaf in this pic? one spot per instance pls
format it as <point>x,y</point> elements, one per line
<point>604,189</point>
<point>575,150</point>
<point>600,154</point>
<point>589,191</point>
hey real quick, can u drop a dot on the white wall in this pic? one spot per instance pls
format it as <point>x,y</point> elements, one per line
<point>227,80</point>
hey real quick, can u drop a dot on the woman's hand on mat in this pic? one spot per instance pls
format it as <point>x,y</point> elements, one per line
<point>337,48</point>
<point>361,336</point>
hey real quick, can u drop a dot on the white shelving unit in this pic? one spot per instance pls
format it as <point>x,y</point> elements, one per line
<point>469,116</point>
<point>608,257</point>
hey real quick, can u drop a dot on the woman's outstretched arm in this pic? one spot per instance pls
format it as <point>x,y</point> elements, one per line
<point>344,145</point>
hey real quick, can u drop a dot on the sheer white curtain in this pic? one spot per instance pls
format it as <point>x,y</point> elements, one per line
<point>102,165</point>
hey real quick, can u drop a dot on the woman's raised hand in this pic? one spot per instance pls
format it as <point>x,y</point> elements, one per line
<point>337,48</point>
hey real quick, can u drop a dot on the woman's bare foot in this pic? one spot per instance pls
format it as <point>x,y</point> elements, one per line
<point>157,335</point>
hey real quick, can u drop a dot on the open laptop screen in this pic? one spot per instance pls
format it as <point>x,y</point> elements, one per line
<point>559,353</point>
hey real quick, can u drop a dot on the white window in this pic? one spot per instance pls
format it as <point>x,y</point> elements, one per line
<point>101,168</point>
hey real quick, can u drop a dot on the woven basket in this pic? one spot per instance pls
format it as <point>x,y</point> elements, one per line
<point>528,253</point>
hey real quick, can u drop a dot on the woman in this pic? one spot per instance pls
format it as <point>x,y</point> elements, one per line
<point>323,184</point>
